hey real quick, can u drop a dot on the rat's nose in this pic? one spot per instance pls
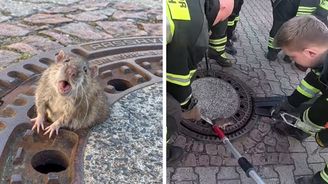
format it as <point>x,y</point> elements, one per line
<point>71,71</point>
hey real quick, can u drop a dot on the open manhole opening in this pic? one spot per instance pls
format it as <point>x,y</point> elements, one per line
<point>49,161</point>
<point>120,84</point>
<point>225,100</point>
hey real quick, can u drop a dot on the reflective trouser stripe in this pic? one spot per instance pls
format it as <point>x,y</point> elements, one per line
<point>234,21</point>
<point>307,125</point>
<point>324,175</point>
<point>186,101</point>
<point>181,80</point>
<point>218,48</point>
<point>303,13</point>
<point>224,55</point>
<point>219,41</point>
<point>237,18</point>
<point>304,8</point>
<point>231,23</point>
<point>270,43</point>
<point>218,44</point>
<point>306,89</point>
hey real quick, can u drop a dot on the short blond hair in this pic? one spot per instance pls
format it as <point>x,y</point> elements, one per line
<point>300,32</point>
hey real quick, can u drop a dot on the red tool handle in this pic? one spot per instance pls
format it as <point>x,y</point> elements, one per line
<point>218,131</point>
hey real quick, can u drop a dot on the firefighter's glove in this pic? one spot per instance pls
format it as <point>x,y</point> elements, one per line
<point>284,106</point>
<point>192,112</point>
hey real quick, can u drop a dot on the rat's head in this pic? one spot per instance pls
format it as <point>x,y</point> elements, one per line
<point>72,74</point>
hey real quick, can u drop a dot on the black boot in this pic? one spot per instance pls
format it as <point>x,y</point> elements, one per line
<point>173,154</point>
<point>224,62</point>
<point>234,36</point>
<point>272,54</point>
<point>304,180</point>
<point>286,130</point>
<point>316,179</point>
<point>230,49</point>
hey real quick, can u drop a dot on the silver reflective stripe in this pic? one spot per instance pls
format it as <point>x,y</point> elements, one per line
<point>186,101</point>
<point>179,80</point>
<point>307,125</point>
<point>307,90</point>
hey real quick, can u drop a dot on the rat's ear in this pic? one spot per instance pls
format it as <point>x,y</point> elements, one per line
<point>94,71</point>
<point>60,56</point>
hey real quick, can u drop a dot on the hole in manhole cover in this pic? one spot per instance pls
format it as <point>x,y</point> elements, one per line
<point>49,161</point>
<point>120,84</point>
<point>226,101</point>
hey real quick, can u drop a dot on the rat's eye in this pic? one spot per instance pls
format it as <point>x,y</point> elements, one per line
<point>66,60</point>
<point>85,69</point>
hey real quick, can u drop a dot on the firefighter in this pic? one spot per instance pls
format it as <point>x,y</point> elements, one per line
<point>187,28</point>
<point>305,40</point>
<point>219,40</point>
<point>232,23</point>
<point>284,10</point>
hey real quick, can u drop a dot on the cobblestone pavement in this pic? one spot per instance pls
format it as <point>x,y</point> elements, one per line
<point>28,27</point>
<point>277,159</point>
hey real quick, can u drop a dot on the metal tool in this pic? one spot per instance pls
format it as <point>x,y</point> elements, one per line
<point>289,119</point>
<point>242,161</point>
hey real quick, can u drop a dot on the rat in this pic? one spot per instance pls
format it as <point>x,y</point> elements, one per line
<point>69,95</point>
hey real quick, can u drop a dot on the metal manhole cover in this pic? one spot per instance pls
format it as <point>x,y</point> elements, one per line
<point>220,96</point>
<point>124,65</point>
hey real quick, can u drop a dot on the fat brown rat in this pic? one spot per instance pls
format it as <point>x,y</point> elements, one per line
<point>69,95</point>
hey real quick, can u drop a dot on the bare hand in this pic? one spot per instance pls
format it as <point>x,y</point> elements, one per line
<point>52,128</point>
<point>38,122</point>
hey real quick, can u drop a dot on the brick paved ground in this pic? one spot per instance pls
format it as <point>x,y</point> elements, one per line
<point>28,27</point>
<point>277,159</point>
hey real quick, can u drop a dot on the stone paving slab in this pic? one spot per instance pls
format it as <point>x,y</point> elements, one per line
<point>277,159</point>
<point>25,25</point>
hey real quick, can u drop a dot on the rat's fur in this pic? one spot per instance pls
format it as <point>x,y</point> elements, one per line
<point>82,107</point>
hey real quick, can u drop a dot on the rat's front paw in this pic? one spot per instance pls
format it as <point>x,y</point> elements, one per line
<point>52,128</point>
<point>38,122</point>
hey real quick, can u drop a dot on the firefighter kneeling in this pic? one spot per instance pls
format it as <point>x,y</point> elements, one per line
<point>305,40</point>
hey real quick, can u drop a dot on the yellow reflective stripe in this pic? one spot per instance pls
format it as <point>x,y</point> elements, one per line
<point>231,23</point>
<point>302,13</point>
<point>224,55</point>
<point>179,9</point>
<point>186,101</point>
<point>324,175</point>
<point>171,24</point>
<point>309,122</point>
<point>181,80</point>
<point>310,87</point>
<point>271,38</point>
<point>324,4</point>
<point>270,43</point>
<point>218,48</point>
<point>218,41</point>
<point>237,18</point>
<point>303,92</point>
<point>305,8</point>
